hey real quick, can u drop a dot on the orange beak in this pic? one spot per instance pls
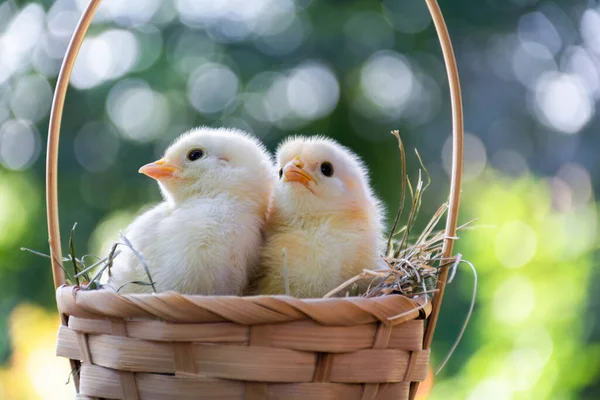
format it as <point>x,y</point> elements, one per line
<point>294,172</point>
<point>159,169</point>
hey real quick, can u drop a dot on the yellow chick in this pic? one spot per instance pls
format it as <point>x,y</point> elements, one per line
<point>205,237</point>
<point>324,215</point>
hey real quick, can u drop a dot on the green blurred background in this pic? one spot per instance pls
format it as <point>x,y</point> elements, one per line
<point>354,70</point>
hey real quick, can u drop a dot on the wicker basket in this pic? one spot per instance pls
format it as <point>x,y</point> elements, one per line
<point>170,346</point>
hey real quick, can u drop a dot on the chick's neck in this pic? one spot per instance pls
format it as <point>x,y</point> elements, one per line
<point>307,220</point>
<point>249,199</point>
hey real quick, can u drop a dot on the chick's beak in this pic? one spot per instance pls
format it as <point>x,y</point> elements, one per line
<point>294,172</point>
<point>158,169</point>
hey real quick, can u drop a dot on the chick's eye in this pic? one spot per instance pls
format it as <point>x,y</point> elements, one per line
<point>327,169</point>
<point>280,172</point>
<point>195,154</point>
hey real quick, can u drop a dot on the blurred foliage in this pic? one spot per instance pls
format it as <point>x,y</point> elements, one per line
<point>34,372</point>
<point>528,338</point>
<point>151,69</point>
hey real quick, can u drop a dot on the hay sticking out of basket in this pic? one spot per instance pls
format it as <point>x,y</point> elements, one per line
<point>412,267</point>
<point>81,275</point>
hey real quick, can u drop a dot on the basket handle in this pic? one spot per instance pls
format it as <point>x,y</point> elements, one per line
<point>457,169</point>
<point>457,148</point>
<point>457,160</point>
<point>58,102</point>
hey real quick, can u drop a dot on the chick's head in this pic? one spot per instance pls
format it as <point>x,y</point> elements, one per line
<point>317,175</point>
<point>207,162</point>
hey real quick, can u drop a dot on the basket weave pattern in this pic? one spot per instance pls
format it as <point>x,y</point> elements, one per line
<point>171,346</point>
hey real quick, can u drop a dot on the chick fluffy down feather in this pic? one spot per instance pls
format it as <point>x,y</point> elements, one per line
<point>331,229</point>
<point>205,237</point>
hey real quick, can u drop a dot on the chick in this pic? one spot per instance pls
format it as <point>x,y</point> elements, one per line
<point>206,235</point>
<point>324,215</point>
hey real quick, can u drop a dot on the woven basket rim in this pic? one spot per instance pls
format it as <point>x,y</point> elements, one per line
<point>248,310</point>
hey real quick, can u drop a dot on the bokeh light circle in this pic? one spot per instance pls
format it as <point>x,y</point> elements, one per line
<point>562,102</point>
<point>140,113</point>
<point>515,244</point>
<point>19,144</point>
<point>212,87</point>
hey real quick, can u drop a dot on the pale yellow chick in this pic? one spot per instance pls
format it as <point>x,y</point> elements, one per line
<point>205,237</point>
<point>324,215</point>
